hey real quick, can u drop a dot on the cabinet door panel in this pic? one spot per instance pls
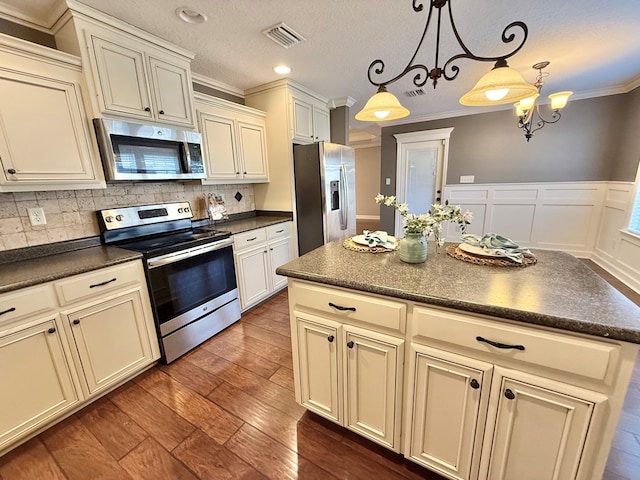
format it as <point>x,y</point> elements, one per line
<point>319,359</point>
<point>253,151</point>
<point>302,120</point>
<point>50,111</point>
<point>219,138</point>
<point>449,398</point>
<point>279,254</point>
<point>321,124</point>
<point>35,380</point>
<point>122,78</point>
<point>253,275</point>
<point>540,427</point>
<point>172,92</point>
<point>112,340</point>
<point>373,375</point>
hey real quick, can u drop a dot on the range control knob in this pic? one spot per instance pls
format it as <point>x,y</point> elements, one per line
<point>119,217</point>
<point>180,210</point>
<point>187,209</point>
<point>108,219</point>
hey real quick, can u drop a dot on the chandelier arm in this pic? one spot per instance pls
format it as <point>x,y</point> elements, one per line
<point>377,66</point>
<point>555,116</point>
<point>506,38</point>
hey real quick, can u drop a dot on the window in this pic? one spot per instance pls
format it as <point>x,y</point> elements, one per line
<point>634,221</point>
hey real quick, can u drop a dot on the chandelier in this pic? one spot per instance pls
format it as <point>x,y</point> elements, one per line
<point>501,85</point>
<point>528,108</point>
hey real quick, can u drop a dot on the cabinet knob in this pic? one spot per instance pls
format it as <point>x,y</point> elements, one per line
<point>147,109</point>
<point>509,394</point>
<point>11,171</point>
<point>237,173</point>
<point>76,322</point>
<point>161,112</point>
<point>244,173</point>
<point>330,338</point>
<point>350,344</point>
<point>474,384</point>
<point>51,330</point>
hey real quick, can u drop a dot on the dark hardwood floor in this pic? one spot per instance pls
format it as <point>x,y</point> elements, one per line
<point>226,410</point>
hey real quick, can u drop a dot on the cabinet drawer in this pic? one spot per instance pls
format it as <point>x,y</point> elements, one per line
<point>278,230</point>
<point>580,356</point>
<point>351,306</point>
<point>25,303</point>
<point>97,283</point>
<point>250,238</point>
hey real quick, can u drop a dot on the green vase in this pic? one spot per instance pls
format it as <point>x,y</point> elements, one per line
<point>413,248</point>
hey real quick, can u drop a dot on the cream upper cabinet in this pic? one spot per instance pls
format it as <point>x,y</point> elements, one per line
<point>45,138</point>
<point>310,119</point>
<point>234,141</point>
<point>130,72</point>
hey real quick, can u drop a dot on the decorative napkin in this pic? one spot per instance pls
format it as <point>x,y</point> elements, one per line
<point>494,244</point>
<point>379,238</point>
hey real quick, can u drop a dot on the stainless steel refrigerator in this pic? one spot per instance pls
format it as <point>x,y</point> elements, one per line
<point>325,184</point>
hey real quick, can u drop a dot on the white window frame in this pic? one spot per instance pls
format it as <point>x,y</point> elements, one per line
<point>633,225</point>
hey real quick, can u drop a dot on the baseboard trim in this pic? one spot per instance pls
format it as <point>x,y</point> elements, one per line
<point>368,217</point>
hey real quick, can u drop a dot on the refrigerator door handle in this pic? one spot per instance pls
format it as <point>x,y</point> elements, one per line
<point>344,204</point>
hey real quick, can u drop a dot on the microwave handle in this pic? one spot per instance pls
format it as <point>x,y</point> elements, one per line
<point>187,156</point>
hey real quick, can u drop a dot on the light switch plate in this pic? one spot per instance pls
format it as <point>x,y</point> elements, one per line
<point>467,179</point>
<point>36,216</point>
<point>387,181</point>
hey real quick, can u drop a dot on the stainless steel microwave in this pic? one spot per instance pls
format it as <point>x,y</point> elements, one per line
<point>135,151</point>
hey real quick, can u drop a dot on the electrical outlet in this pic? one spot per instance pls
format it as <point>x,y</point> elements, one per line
<point>467,179</point>
<point>387,181</point>
<point>36,216</point>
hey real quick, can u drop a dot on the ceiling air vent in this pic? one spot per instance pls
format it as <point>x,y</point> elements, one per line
<point>415,93</point>
<point>283,35</point>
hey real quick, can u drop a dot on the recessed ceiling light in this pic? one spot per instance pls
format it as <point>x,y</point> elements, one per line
<point>190,15</point>
<point>281,69</point>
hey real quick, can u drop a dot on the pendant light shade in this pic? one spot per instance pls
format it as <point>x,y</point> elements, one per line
<point>382,106</point>
<point>501,85</point>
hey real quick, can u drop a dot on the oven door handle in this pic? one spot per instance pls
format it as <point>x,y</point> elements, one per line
<point>184,254</point>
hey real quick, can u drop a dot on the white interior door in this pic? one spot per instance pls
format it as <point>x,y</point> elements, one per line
<point>419,176</point>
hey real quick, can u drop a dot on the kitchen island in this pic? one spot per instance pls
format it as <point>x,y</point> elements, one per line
<point>471,371</point>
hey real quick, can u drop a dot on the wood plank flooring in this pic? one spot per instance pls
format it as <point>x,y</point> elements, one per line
<point>226,410</point>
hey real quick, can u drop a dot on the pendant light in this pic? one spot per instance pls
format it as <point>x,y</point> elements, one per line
<point>501,84</point>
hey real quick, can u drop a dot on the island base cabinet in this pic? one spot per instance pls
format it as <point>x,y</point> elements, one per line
<point>539,428</point>
<point>111,340</point>
<point>351,376</point>
<point>320,388</point>
<point>448,402</point>
<point>35,382</point>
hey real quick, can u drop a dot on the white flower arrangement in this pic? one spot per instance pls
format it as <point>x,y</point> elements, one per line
<point>429,223</point>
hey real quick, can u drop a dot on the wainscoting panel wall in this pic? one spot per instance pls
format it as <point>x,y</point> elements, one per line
<point>558,216</point>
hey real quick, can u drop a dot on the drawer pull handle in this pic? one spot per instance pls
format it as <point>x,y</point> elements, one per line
<point>76,322</point>
<point>474,384</point>
<point>251,239</point>
<point>330,338</point>
<point>350,344</point>
<point>51,330</point>
<point>8,310</point>
<point>338,307</point>
<point>509,394</point>
<point>500,345</point>
<point>102,283</point>
<point>280,231</point>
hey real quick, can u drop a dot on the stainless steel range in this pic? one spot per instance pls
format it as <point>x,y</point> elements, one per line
<point>190,271</point>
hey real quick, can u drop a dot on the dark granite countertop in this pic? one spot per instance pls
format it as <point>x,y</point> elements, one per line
<point>560,291</point>
<point>33,271</point>
<point>30,266</point>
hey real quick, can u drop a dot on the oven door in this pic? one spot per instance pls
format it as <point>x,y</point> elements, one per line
<point>189,284</point>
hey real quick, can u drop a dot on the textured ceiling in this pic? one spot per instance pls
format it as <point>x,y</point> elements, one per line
<point>593,46</point>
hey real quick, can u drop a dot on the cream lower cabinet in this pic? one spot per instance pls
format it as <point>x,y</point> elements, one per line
<point>64,343</point>
<point>35,379</point>
<point>350,375</point>
<point>257,255</point>
<point>111,339</point>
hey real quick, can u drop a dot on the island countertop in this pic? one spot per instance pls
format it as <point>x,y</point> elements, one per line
<point>559,291</point>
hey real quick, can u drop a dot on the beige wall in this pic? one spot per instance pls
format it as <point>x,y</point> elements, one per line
<point>367,181</point>
<point>71,214</point>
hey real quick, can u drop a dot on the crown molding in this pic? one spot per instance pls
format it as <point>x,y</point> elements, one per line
<point>13,15</point>
<point>216,85</point>
<point>341,102</point>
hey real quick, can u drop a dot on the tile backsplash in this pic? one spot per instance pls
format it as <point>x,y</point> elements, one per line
<point>70,214</point>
